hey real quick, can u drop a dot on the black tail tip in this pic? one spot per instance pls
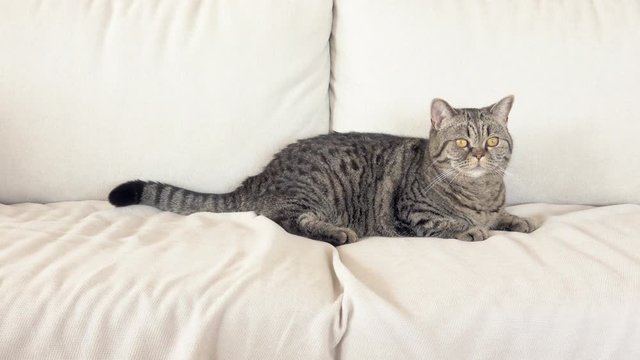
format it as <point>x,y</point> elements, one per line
<point>128,193</point>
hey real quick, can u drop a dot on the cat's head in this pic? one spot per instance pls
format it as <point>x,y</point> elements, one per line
<point>470,142</point>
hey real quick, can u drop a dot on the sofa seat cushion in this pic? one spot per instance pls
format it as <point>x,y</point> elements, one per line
<point>81,280</point>
<point>569,290</point>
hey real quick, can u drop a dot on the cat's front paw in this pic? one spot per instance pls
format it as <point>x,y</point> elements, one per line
<point>341,236</point>
<point>474,233</point>
<point>523,225</point>
<point>345,236</point>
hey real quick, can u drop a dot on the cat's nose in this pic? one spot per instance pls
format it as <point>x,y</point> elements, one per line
<point>478,152</point>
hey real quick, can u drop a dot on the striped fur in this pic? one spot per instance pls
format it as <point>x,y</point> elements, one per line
<point>340,187</point>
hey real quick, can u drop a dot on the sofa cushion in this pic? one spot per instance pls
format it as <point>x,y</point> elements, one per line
<point>572,65</point>
<point>195,93</point>
<point>569,290</point>
<point>81,280</point>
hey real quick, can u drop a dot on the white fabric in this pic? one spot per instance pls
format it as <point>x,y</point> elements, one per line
<point>195,93</point>
<point>570,290</point>
<point>572,65</point>
<point>86,281</point>
<point>81,280</point>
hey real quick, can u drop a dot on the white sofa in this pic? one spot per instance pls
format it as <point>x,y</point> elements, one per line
<point>202,93</point>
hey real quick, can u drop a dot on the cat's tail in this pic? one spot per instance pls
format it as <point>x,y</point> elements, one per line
<point>171,198</point>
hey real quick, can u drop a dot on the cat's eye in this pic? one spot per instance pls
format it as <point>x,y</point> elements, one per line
<point>462,143</point>
<point>491,142</point>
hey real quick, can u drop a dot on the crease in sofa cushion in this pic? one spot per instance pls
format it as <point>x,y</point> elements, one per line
<point>568,290</point>
<point>81,280</point>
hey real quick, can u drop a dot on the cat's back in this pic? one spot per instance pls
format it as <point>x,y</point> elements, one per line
<point>348,156</point>
<point>344,155</point>
<point>351,144</point>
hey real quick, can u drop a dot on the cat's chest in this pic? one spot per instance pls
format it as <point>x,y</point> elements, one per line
<point>478,204</point>
<point>479,197</point>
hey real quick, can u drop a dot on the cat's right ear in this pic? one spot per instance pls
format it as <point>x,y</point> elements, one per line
<point>440,111</point>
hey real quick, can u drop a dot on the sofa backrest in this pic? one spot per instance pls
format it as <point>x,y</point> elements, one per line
<point>201,94</point>
<point>195,93</point>
<point>572,65</point>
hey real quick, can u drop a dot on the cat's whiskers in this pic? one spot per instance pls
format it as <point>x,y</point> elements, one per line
<point>462,164</point>
<point>440,177</point>
<point>504,172</point>
<point>456,175</point>
<point>499,169</point>
<point>494,168</point>
<point>430,165</point>
<point>462,167</point>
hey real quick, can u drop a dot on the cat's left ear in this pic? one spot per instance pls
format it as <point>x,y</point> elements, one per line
<point>502,108</point>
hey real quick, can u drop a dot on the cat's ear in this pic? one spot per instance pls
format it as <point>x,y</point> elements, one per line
<point>502,108</point>
<point>440,111</point>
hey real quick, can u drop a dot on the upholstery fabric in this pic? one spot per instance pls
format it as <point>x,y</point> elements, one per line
<point>93,93</point>
<point>572,66</point>
<point>569,290</point>
<point>81,280</point>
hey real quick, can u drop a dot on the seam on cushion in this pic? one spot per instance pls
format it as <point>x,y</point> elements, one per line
<point>341,324</point>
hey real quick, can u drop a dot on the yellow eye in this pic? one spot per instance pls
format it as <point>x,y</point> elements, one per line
<point>491,142</point>
<point>461,143</point>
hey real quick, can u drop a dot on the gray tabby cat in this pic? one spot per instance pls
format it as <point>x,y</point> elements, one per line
<point>339,187</point>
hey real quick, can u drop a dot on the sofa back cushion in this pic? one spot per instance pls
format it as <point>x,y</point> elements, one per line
<point>572,66</point>
<point>195,93</point>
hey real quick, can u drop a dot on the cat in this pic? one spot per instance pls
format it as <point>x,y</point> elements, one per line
<point>339,187</point>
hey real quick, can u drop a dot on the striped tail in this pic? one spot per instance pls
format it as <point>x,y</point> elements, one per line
<point>181,201</point>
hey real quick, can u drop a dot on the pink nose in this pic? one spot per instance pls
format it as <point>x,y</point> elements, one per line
<point>478,152</point>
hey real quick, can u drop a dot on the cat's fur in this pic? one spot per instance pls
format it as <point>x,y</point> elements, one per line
<point>340,187</point>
